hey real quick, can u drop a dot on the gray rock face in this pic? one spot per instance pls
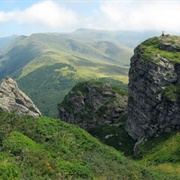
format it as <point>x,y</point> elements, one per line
<point>150,111</point>
<point>13,99</point>
<point>93,104</point>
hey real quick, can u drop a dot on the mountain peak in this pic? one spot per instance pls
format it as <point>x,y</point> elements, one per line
<point>154,88</point>
<point>156,48</point>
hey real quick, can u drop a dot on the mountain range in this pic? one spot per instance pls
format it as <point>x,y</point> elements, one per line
<point>36,147</point>
<point>47,65</point>
<point>148,133</point>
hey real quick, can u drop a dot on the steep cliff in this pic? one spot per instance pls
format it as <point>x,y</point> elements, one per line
<point>13,99</point>
<point>154,88</point>
<point>93,104</point>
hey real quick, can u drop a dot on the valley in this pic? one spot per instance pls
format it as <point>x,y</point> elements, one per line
<point>105,127</point>
<point>47,66</point>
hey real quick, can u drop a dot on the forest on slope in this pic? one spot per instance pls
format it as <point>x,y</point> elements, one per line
<point>47,66</point>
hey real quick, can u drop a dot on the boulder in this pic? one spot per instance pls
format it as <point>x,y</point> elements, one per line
<point>12,99</point>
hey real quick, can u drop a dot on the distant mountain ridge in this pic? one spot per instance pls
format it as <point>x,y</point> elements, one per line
<point>47,65</point>
<point>4,41</point>
<point>127,38</point>
<point>47,148</point>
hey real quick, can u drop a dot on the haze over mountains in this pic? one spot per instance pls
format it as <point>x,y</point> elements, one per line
<point>47,65</point>
<point>47,148</point>
<point>4,41</point>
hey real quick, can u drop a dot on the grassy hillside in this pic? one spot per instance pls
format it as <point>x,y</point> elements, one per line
<point>161,154</point>
<point>4,41</point>
<point>103,117</point>
<point>48,148</point>
<point>47,66</point>
<point>127,38</point>
<point>115,136</point>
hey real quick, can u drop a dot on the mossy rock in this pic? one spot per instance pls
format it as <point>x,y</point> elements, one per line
<point>151,49</point>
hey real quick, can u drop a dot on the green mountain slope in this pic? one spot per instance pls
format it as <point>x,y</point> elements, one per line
<point>101,110</point>
<point>47,148</point>
<point>161,153</point>
<point>4,41</point>
<point>127,38</point>
<point>47,66</point>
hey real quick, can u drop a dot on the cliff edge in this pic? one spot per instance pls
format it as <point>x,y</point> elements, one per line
<point>13,99</point>
<point>154,88</point>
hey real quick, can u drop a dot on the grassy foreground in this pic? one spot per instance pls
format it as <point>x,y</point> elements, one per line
<point>162,154</point>
<point>48,148</point>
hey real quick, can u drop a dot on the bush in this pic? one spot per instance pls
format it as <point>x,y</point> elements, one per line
<point>16,143</point>
<point>74,169</point>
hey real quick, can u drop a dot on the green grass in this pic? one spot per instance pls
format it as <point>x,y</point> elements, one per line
<point>151,48</point>
<point>16,143</point>
<point>47,66</point>
<point>47,148</point>
<point>162,153</point>
<point>115,136</point>
<point>163,149</point>
<point>88,113</point>
<point>171,92</point>
<point>49,88</point>
<point>9,169</point>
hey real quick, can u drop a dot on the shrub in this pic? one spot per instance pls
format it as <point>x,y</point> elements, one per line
<point>74,169</point>
<point>171,92</point>
<point>16,143</point>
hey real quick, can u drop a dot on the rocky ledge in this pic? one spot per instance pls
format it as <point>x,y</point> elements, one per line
<point>154,88</point>
<point>93,104</point>
<point>12,99</point>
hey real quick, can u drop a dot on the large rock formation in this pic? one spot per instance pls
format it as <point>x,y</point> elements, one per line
<point>93,104</point>
<point>12,99</point>
<point>154,88</point>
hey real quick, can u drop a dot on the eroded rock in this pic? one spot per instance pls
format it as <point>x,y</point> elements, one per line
<point>154,89</point>
<point>93,104</point>
<point>12,99</point>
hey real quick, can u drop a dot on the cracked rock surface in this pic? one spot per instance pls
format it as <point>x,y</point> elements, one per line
<point>93,104</point>
<point>154,91</point>
<point>12,99</point>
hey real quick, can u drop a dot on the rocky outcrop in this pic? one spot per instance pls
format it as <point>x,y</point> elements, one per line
<point>93,104</point>
<point>12,99</point>
<point>154,88</point>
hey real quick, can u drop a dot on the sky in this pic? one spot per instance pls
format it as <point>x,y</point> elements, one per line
<point>24,17</point>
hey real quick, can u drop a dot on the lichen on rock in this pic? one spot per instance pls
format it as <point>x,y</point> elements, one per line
<point>93,104</point>
<point>12,99</point>
<point>154,88</point>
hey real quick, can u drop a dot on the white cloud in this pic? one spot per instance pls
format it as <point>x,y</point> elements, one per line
<point>6,16</point>
<point>110,15</point>
<point>140,15</point>
<point>46,13</point>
